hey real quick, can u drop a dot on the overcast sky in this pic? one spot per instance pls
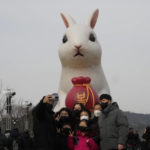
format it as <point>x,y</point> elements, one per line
<point>31,31</point>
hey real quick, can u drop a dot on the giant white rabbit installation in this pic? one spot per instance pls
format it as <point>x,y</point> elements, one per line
<point>80,55</point>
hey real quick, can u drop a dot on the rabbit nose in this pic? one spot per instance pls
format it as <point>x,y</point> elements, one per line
<point>77,46</point>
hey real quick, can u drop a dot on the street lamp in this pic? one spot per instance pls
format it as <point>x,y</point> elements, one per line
<point>9,94</point>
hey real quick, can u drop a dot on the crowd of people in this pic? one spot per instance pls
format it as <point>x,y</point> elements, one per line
<point>105,128</point>
<point>14,140</point>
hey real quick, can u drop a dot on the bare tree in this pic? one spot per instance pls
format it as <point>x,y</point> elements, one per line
<point>2,101</point>
<point>19,112</point>
<point>17,108</point>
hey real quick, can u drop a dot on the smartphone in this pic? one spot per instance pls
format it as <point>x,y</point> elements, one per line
<point>55,97</point>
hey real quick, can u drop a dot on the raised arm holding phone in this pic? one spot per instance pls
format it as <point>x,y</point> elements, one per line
<point>44,124</point>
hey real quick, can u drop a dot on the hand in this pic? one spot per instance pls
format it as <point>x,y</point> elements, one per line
<point>71,133</point>
<point>57,118</point>
<point>120,146</point>
<point>48,99</point>
<point>58,130</point>
<point>87,140</point>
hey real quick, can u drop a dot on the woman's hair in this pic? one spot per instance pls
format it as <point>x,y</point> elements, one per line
<point>81,105</point>
<point>86,110</point>
<point>65,109</point>
<point>84,120</point>
<point>97,103</point>
<point>66,123</point>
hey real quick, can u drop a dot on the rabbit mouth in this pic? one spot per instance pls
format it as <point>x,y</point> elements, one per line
<point>78,54</point>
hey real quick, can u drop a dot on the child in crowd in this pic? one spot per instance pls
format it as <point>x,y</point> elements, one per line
<point>62,136</point>
<point>81,141</point>
<point>85,114</point>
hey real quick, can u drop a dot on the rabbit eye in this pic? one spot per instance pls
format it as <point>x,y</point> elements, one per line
<point>64,40</point>
<point>92,37</point>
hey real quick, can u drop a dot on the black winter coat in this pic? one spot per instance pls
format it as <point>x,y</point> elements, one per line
<point>3,141</point>
<point>94,129</point>
<point>26,142</point>
<point>10,143</point>
<point>44,127</point>
<point>146,136</point>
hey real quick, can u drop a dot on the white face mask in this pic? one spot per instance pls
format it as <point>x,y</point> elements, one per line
<point>84,117</point>
<point>97,113</point>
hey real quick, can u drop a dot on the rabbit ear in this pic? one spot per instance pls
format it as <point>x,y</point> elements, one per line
<point>92,19</point>
<point>68,21</point>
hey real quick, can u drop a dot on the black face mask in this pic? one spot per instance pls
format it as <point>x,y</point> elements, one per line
<point>83,129</point>
<point>66,131</point>
<point>104,105</point>
<point>64,118</point>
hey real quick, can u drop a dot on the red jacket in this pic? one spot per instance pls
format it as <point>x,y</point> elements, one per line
<point>81,142</point>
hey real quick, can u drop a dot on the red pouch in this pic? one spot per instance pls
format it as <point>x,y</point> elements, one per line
<point>81,92</point>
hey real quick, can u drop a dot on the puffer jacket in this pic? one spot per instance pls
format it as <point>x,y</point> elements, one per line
<point>113,125</point>
<point>79,142</point>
